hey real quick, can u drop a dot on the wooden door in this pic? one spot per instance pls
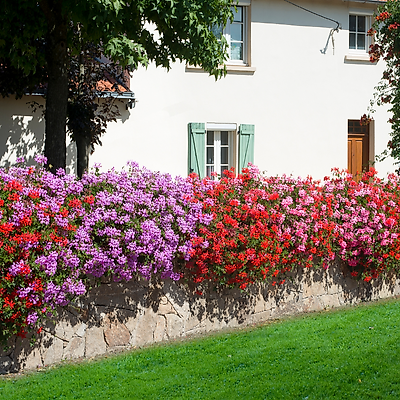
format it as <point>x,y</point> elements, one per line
<point>357,148</point>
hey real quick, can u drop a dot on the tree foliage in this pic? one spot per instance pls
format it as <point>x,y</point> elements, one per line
<point>38,39</point>
<point>386,46</point>
<point>90,108</point>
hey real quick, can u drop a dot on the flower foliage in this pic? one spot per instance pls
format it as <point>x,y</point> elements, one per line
<point>386,46</point>
<point>263,227</point>
<point>38,270</point>
<point>58,234</point>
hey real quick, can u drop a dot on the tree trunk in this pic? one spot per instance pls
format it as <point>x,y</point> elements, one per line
<point>57,89</point>
<point>83,148</point>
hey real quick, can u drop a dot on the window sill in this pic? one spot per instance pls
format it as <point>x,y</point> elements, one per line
<point>357,57</point>
<point>245,69</point>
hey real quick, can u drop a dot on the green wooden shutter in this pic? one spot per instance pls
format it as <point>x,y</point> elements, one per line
<point>197,148</point>
<point>246,145</point>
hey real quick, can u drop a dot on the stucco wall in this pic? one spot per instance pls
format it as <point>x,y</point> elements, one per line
<point>126,315</point>
<point>298,98</point>
<point>22,132</point>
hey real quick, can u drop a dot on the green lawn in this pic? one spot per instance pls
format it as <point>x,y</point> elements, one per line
<point>347,354</point>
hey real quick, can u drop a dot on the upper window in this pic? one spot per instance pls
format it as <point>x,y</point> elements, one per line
<point>236,35</point>
<point>358,28</point>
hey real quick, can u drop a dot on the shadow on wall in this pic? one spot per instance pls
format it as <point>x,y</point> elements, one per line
<point>22,132</point>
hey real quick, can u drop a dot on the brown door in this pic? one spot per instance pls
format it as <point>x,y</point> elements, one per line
<point>358,148</point>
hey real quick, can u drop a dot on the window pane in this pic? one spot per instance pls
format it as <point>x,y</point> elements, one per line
<point>224,155</point>
<point>350,126</point>
<point>217,31</point>
<point>236,51</point>
<point>237,32</point>
<point>210,138</point>
<point>209,170</point>
<point>352,41</point>
<point>224,138</point>
<point>361,41</point>
<point>361,24</point>
<point>237,16</point>
<point>210,155</point>
<point>352,23</point>
<point>223,168</point>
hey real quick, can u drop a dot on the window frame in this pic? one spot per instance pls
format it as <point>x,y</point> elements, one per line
<point>228,36</point>
<point>217,146</point>
<point>355,54</point>
<point>242,145</point>
<point>368,23</point>
<point>238,66</point>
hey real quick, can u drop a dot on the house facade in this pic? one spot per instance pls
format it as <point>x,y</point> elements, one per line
<point>299,78</point>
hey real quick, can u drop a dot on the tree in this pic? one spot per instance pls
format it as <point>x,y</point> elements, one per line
<point>37,40</point>
<point>88,110</point>
<point>386,29</point>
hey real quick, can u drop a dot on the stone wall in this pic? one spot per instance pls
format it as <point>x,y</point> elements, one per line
<point>124,315</point>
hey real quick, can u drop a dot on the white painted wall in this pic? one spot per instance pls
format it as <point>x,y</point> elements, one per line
<point>22,132</point>
<point>298,98</point>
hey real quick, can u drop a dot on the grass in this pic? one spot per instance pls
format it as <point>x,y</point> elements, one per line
<point>352,353</point>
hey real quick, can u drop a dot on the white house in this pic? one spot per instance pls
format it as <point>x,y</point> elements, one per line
<point>299,79</point>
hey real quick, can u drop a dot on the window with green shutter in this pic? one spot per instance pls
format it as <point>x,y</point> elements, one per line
<point>246,146</point>
<point>197,148</point>
<point>216,147</point>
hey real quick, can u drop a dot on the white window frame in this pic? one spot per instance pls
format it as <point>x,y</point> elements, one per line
<point>368,23</point>
<point>217,128</point>
<point>246,22</point>
<point>228,37</point>
<point>237,66</point>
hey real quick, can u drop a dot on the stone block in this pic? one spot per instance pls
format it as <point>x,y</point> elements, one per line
<point>330,301</point>
<point>259,305</point>
<point>260,317</point>
<point>75,348</point>
<point>284,309</point>
<point>81,330</point>
<point>131,322</point>
<point>68,325</point>
<point>30,360</point>
<point>160,330</point>
<point>146,327</point>
<point>215,324</point>
<point>51,349</point>
<point>179,297</point>
<point>95,342</point>
<point>313,304</point>
<point>165,307</point>
<point>117,334</point>
<point>174,326</point>
<point>315,289</point>
<point>25,356</point>
<point>192,324</point>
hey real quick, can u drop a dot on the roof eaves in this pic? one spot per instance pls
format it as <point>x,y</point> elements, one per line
<point>367,1</point>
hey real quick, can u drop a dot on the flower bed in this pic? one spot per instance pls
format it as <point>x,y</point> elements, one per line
<point>59,234</point>
<point>262,227</point>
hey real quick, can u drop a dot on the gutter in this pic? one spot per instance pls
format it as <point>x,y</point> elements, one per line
<point>365,1</point>
<point>128,95</point>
